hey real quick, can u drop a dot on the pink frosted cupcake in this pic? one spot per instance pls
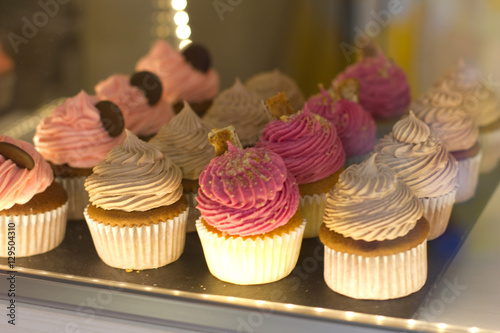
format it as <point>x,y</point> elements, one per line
<point>241,108</point>
<point>7,79</point>
<point>185,76</point>
<point>74,138</point>
<point>268,84</point>
<point>139,99</point>
<point>250,227</point>
<point>441,109</point>
<point>32,207</point>
<point>385,92</point>
<point>425,165</point>
<point>481,102</point>
<point>313,153</point>
<point>355,127</point>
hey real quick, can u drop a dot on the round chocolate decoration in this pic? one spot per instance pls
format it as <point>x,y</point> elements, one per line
<point>150,84</point>
<point>17,155</point>
<point>198,56</point>
<point>111,118</point>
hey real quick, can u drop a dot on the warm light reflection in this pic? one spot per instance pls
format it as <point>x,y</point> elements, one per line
<point>183,31</point>
<point>184,43</point>
<point>442,326</point>
<point>290,306</point>
<point>411,322</point>
<point>181,18</point>
<point>349,315</point>
<point>473,329</point>
<point>179,4</point>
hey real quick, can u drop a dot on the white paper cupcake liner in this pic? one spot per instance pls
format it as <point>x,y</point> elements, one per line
<point>194,213</point>
<point>490,145</point>
<point>313,208</point>
<point>138,248</point>
<point>437,212</point>
<point>467,178</point>
<point>34,234</point>
<point>247,261</point>
<point>379,278</point>
<point>78,198</point>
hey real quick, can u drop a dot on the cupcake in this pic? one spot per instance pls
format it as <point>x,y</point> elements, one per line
<point>7,79</point>
<point>250,227</point>
<point>32,207</point>
<point>185,140</point>
<point>311,151</point>
<point>74,138</point>
<point>241,108</point>
<point>139,99</point>
<point>137,213</point>
<point>441,109</point>
<point>268,84</point>
<point>355,127</point>
<point>374,235</point>
<point>384,88</point>
<point>425,165</point>
<point>481,102</point>
<point>185,76</point>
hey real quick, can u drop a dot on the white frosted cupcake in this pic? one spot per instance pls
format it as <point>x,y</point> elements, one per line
<point>137,213</point>
<point>268,84</point>
<point>441,109</point>
<point>375,239</point>
<point>241,108</point>
<point>250,227</point>
<point>426,167</point>
<point>32,207</point>
<point>185,140</point>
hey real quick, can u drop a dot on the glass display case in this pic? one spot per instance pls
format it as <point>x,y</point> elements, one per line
<point>60,47</point>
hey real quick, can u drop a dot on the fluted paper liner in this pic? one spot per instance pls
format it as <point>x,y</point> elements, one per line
<point>379,278</point>
<point>78,198</point>
<point>247,261</point>
<point>467,178</point>
<point>313,208</point>
<point>437,212</point>
<point>194,213</point>
<point>35,233</point>
<point>490,144</point>
<point>144,247</point>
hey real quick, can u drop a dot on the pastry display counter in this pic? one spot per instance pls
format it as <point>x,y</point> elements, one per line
<point>184,294</point>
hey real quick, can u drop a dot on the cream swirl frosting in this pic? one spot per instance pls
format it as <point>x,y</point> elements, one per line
<point>268,84</point>
<point>19,185</point>
<point>241,108</point>
<point>418,158</point>
<point>185,140</point>
<point>370,203</point>
<point>135,176</point>
<point>441,109</point>
<point>479,99</point>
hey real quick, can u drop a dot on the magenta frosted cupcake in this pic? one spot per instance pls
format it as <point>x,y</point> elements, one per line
<point>313,153</point>
<point>385,92</point>
<point>143,109</point>
<point>441,109</point>
<point>425,165</point>
<point>355,127</point>
<point>185,76</point>
<point>250,228</point>
<point>32,206</point>
<point>74,138</point>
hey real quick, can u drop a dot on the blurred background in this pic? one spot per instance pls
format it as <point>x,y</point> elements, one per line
<point>57,47</point>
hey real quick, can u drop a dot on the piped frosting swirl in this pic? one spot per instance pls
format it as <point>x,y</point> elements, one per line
<point>185,140</point>
<point>247,192</point>
<point>135,176</point>
<point>370,203</point>
<point>19,185</point>
<point>418,158</point>
<point>307,143</point>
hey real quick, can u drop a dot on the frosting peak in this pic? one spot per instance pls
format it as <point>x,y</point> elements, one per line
<point>135,176</point>
<point>370,203</point>
<point>411,130</point>
<point>247,192</point>
<point>185,140</point>
<point>19,185</point>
